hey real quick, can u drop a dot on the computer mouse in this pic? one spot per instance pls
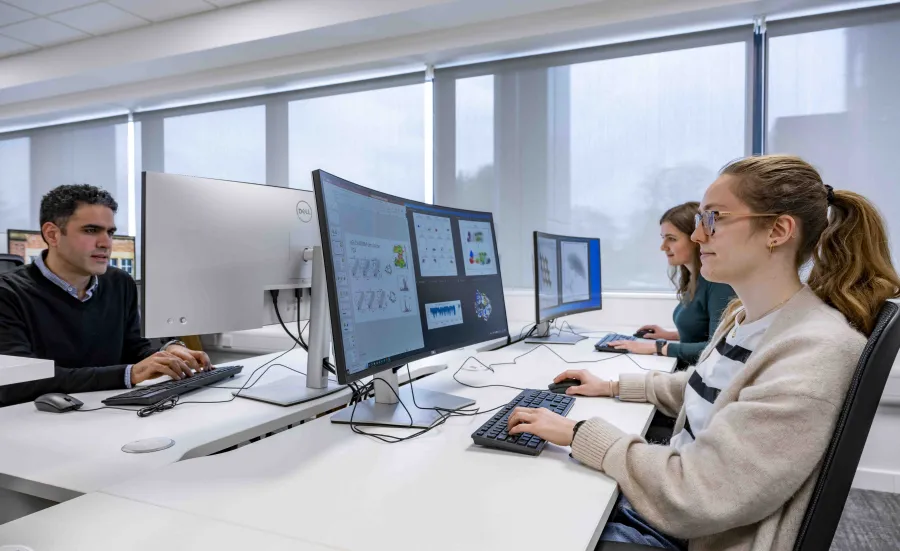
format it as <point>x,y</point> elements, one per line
<point>560,387</point>
<point>57,402</point>
<point>640,334</point>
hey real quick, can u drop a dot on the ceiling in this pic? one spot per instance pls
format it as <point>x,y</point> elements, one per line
<point>266,46</point>
<point>27,25</point>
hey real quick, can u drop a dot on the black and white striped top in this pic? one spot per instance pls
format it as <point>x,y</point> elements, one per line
<point>715,373</point>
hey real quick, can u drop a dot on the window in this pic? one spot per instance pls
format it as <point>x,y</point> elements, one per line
<point>474,130</point>
<point>228,144</point>
<point>596,149</point>
<point>15,184</point>
<point>374,138</point>
<point>32,165</point>
<point>832,99</point>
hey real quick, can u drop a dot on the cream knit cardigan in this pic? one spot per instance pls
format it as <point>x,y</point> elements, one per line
<point>745,483</point>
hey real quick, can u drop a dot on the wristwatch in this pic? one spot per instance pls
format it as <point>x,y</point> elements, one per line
<point>171,343</point>
<point>660,343</point>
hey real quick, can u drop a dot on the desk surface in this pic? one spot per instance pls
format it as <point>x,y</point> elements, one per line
<point>61,456</point>
<point>99,522</point>
<point>322,482</point>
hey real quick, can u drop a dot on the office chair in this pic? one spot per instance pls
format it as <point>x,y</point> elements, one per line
<point>842,456</point>
<point>9,262</point>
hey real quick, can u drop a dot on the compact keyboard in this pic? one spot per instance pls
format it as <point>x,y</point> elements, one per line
<point>495,432</point>
<point>149,395</point>
<point>603,344</point>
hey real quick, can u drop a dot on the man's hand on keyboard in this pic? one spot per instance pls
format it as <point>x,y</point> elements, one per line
<point>544,423</point>
<point>198,361</point>
<point>159,364</point>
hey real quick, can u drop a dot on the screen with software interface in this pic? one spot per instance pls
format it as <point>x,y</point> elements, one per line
<point>409,279</point>
<point>567,275</point>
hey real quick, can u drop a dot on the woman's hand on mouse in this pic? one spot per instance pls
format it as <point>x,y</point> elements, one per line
<point>544,423</point>
<point>654,332</point>
<point>591,385</point>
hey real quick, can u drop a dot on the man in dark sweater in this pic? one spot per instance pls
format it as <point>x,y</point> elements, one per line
<point>71,307</point>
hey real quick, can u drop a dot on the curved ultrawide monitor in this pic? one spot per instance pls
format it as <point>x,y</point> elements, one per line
<point>566,275</point>
<point>405,279</point>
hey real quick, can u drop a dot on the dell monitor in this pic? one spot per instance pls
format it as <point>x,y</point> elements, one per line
<point>212,249</point>
<point>212,252</point>
<point>407,280</point>
<point>566,281</point>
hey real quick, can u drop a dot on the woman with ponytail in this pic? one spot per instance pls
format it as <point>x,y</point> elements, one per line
<point>755,416</point>
<point>700,302</point>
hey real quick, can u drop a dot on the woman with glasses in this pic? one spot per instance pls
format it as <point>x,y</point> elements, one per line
<point>755,416</point>
<point>700,302</point>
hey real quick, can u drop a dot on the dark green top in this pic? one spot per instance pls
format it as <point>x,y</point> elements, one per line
<point>697,320</point>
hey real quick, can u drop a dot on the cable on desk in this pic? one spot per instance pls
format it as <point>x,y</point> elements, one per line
<point>172,401</point>
<point>443,413</point>
<point>490,367</point>
<point>570,330</point>
<point>388,438</point>
<point>460,412</point>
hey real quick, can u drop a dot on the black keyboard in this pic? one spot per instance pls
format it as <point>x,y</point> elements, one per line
<point>149,395</point>
<point>495,432</point>
<point>603,344</point>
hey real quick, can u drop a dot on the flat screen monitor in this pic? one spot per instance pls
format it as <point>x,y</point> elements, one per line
<point>213,249</point>
<point>407,279</point>
<point>566,281</point>
<point>29,244</point>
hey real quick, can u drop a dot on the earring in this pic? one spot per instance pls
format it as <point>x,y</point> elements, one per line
<point>771,248</point>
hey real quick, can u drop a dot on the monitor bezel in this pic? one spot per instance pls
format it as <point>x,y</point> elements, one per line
<point>537,298</point>
<point>343,375</point>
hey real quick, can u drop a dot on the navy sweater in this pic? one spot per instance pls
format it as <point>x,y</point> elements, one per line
<point>90,342</point>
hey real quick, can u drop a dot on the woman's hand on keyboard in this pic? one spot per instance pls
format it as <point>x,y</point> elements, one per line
<point>647,348</point>
<point>591,385</point>
<point>543,423</point>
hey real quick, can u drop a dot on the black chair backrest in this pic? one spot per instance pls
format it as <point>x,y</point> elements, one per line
<point>850,433</point>
<point>9,262</point>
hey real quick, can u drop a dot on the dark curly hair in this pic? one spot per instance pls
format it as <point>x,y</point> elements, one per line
<point>60,203</point>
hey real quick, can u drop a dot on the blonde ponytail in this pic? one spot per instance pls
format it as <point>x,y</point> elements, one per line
<point>852,268</point>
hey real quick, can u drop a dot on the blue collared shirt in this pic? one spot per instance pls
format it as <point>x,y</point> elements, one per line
<point>95,281</point>
<point>72,291</point>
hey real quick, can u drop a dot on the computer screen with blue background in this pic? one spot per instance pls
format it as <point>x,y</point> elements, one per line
<point>566,275</point>
<point>406,279</point>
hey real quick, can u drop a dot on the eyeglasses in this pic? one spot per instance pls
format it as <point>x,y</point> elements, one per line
<point>708,218</point>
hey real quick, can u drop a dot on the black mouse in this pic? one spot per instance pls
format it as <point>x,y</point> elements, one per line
<point>640,334</point>
<point>57,402</point>
<point>560,387</point>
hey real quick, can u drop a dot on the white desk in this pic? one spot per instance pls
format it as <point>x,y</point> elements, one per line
<point>98,522</point>
<point>61,456</point>
<point>323,483</point>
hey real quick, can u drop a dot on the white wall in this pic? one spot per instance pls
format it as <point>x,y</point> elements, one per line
<point>3,247</point>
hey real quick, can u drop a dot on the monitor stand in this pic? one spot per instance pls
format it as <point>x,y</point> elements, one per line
<point>385,409</point>
<point>315,384</point>
<point>542,336</point>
